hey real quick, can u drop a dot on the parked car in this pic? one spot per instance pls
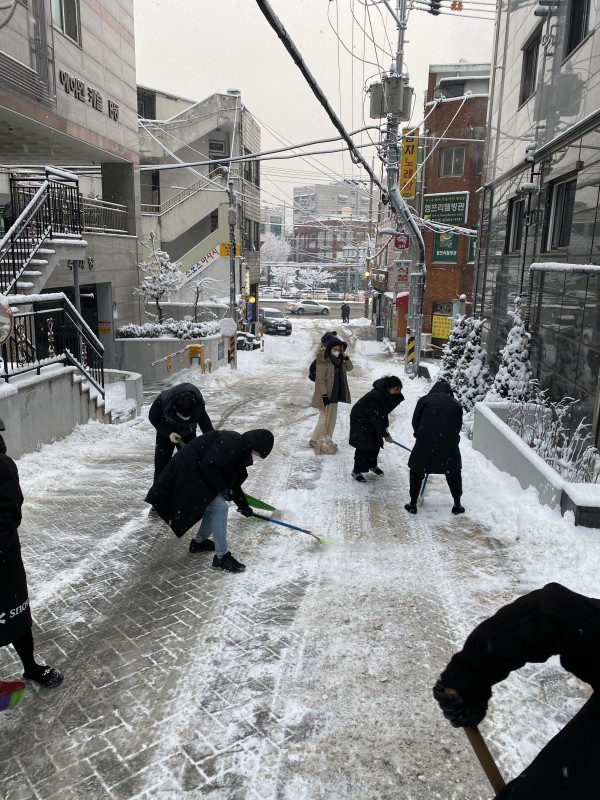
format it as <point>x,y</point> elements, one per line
<point>274,321</point>
<point>247,341</point>
<point>308,307</point>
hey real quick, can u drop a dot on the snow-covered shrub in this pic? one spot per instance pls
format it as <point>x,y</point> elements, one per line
<point>543,425</point>
<point>455,347</point>
<point>472,377</point>
<point>182,329</point>
<point>514,374</point>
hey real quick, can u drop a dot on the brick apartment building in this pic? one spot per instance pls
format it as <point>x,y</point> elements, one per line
<point>453,154</point>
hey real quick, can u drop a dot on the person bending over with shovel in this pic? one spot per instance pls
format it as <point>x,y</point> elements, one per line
<point>369,424</point>
<point>175,414</point>
<point>200,480</point>
<point>546,622</point>
<point>331,388</point>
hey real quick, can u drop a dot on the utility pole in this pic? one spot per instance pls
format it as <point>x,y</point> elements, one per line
<point>232,219</point>
<point>398,98</point>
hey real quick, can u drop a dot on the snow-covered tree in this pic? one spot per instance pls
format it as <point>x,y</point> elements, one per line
<point>455,347</point>
<point>513,378</point>
<point>162,276</point>
<point>283,276</point>
<point>273,250</point>
<point>472,377</point>
<point>314,277</point>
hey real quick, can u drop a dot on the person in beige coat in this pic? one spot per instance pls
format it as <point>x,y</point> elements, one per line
<point>331,385</point>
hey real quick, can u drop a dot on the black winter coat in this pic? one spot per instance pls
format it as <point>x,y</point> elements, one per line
<point>14,603</point>
<point>369,419</point>
<point>197,473</point>
<point>164,418</point>
<point>549,621</point>
<point>436,422</point>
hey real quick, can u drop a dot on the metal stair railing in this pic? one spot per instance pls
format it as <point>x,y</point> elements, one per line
<point>189,191</point>
<point>51,332</point>
<point>43,206</point>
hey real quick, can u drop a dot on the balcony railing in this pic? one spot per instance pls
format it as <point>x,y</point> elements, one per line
<point>49,330</point>
<point>100,216</point>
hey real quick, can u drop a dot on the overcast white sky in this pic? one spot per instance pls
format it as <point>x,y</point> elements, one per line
<point>193,49</point>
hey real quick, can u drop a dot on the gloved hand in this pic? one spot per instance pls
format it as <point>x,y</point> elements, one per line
<point>175,438</point>
<point>389,439</point>
<point>227,494</point>
<point>246,511</point>
<point>325,400</point>
<point>458,711</point>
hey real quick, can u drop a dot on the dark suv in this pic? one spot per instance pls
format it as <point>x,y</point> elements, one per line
<point>274,321</point>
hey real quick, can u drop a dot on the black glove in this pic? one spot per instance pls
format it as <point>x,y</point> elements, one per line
<point>458,711</point>
<point>325,400</point>
<point>227,494</point>
<point>246,511</point>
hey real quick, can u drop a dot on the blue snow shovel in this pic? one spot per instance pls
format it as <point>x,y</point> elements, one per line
<point>403,446</point>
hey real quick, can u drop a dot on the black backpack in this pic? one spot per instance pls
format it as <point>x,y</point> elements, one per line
<point>312,371</point>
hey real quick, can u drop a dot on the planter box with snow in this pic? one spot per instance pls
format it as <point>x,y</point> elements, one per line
<point>506,450</point>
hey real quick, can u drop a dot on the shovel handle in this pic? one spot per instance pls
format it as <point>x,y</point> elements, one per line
<point>485,758</point>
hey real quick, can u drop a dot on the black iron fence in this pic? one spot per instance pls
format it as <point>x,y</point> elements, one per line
<point>41,206</point>
<point>50,331</point>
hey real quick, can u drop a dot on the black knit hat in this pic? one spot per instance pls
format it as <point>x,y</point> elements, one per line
<point>260,440</point>
<point>184,404</point>
<point>327,337</point>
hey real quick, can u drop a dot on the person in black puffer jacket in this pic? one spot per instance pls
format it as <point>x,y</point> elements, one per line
<point>369,424</point>
<point>200,480</point>
<point>15,613</point>
<point>436,422</point>
<point>175,414</point>
<point>550,621</point>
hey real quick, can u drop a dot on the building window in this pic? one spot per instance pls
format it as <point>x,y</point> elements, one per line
<point>561,203</point>
<point>65,17</point>
<point>530,67</point>
<point>275,225</point>
<point>452,161</point>
<point>577,22</point>
<point>514,229</point>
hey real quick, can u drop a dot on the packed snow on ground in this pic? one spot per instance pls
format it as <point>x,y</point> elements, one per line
<point>373,616</point>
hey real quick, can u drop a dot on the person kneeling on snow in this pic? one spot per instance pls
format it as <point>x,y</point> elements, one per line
<point>436,422</point>
<point>175,414</point>
<point>369,423</point>
<point>198,482</point>
<point>546,622</point>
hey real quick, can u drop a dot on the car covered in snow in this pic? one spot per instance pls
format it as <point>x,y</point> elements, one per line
<point>274,321</point>
<point>308,307</point>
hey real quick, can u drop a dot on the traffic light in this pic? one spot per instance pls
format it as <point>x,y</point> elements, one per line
<point>434,7</point>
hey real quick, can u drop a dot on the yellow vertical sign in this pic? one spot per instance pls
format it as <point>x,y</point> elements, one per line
<point>408,163</point>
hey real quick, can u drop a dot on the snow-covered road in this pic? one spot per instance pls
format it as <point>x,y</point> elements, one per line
<point>307,677</point>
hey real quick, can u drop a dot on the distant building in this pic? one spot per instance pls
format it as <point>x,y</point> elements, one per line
<point>272,220</point>
<point>452,177</point>
<point>188,208</point>
<point>349,198</point>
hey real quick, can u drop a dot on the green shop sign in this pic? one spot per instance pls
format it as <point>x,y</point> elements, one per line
<point>472,250</point>
<point>445,248</point>
<point>450,208</point>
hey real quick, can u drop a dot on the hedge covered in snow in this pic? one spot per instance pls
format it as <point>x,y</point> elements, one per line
<point>181,329</point>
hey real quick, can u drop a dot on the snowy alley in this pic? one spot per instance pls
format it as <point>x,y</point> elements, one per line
<point>308,676</point>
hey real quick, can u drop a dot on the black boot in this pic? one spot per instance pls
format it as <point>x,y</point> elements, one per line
<point>411,508</point>
<point>205,546</point>
<point>228,563</point>
<point>45,675</point>
<point>457,508</point>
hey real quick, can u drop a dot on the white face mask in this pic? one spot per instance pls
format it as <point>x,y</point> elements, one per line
<point>335,353</point>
